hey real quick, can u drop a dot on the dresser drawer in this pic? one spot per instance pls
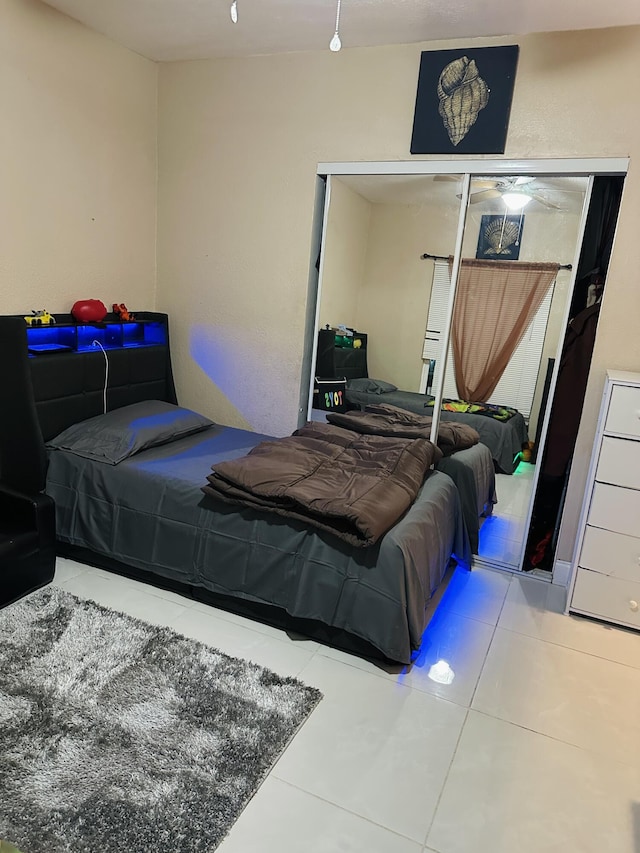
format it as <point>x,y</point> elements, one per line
<point>611,554</point>
<point>615,508</point>
<point>624,411</point>
<point>607,598</point>
<point>619,462</point>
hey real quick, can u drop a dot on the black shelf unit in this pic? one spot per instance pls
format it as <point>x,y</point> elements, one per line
<point>338,358</point>
<point>110,334</point>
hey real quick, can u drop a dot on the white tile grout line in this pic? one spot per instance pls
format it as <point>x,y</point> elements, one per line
<point>527,728</point>
<point>446,776</point>
<point>568,648</point>
<point>604,756</point>
<point>466,717</point>
<point>273,775</point>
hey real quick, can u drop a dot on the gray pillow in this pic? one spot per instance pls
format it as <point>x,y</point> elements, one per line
<point>123,432</point>
<point>370,386</point>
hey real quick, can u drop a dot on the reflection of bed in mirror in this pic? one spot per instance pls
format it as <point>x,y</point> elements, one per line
<point>378,227</point>
<point>503,438</point>
<point>472,470</point>
<point>337,358</point>
<point>473,473</point>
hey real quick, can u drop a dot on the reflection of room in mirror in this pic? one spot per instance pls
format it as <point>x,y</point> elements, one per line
<point>501,534</point>
<point>553,217</point>
<point>373,279</point>
<point>379,276</point>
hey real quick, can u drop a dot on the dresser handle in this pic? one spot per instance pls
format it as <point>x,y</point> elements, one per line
<point>633,605</point>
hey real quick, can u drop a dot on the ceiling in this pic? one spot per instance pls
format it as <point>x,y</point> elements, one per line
<point>560,191</point>
<point>166,30</point>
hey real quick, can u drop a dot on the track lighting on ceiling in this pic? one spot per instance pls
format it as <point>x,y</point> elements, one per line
<point>516,200</point>
<point>335,44</point>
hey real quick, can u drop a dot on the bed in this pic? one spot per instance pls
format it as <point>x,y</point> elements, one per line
<point>504,439</point>
<point>147,513</point>
<point>473,474</point>
<point>466,460</point>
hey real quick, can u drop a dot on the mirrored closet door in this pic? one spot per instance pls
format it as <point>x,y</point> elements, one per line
<point>373,279</point>
<point>512,299</point>
<point>410,256</point>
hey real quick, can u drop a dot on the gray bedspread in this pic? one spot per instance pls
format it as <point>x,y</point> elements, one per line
<point>503,438</point>
<point>149,513</point>
<point>473,473</point>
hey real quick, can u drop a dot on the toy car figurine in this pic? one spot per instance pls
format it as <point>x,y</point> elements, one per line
<point>39,318</point>
<point>122,312</point>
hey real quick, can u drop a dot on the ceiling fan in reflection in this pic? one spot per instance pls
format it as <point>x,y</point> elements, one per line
<point>516,192</point>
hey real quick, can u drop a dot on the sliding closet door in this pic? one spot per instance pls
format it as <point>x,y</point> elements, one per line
<point>518,269</point>
<point>372,278</point>
<point>365,267</point>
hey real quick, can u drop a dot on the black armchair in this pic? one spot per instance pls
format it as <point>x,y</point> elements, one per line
<point>27,543</point>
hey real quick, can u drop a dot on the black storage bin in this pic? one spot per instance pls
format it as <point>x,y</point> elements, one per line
<point>329,395</point>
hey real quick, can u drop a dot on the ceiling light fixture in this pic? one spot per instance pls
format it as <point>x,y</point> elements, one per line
<point>516,200</point>
<point>335,44</point>
<point>234,11</point>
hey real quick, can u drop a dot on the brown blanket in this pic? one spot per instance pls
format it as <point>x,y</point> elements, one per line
<point>352,485</point>
<point>383,419</point>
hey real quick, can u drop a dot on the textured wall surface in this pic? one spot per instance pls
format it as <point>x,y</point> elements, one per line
<point>346,243</point>
<point>77,165</point>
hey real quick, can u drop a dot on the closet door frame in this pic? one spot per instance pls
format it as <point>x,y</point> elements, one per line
<point>467,168</point>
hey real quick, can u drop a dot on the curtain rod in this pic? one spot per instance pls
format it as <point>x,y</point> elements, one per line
<point>442,258</point>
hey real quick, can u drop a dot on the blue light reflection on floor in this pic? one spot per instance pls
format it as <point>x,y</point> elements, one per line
<point>504,527</point>
<point>441,637</point>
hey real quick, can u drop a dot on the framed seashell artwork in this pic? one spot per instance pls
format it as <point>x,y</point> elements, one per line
<point>463,100</point>
<point>499,237</point>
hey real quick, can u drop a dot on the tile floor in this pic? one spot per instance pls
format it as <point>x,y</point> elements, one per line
<point>501,534</point>
<point>528,742</point>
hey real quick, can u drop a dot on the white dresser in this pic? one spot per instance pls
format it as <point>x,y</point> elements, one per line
<point>606,566</point>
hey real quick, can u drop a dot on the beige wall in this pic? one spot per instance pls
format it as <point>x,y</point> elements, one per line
<point>345,251</point>
<point>390,299</point>
<point>77,165</point>
<point>394,303</point>
<point>239,140</point>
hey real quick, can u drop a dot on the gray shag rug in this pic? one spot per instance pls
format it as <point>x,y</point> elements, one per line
<point>120,737</point>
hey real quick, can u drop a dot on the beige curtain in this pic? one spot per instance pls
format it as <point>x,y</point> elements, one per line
<point>495,302</point>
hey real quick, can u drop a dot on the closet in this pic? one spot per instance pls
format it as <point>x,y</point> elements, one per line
<point>375,221</point>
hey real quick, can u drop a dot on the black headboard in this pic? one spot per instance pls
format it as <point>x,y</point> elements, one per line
<point>44,394</point>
